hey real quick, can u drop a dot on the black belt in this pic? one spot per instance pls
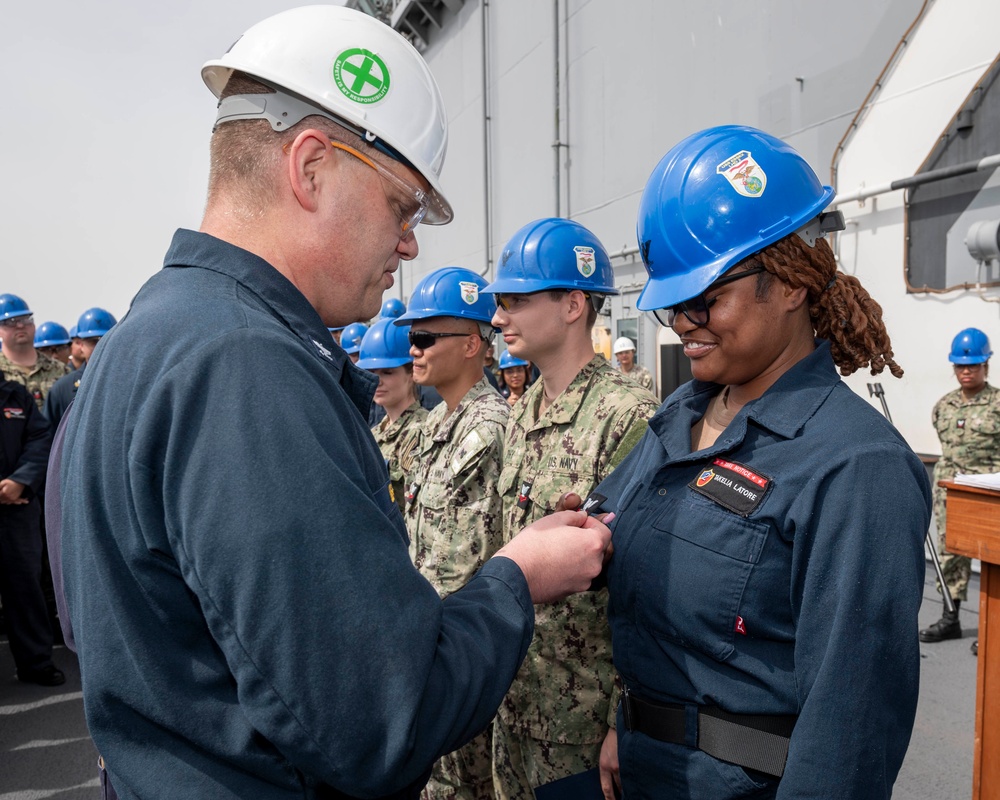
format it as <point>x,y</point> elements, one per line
<point>755,741</point>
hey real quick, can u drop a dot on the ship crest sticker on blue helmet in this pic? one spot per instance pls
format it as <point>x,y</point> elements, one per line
<point>361,75</point>
<point>585,260</point>
<point>470,292</point>
<point>744,174</point>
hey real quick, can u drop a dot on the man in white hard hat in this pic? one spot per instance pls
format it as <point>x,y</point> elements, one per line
<point>624,351</point>
<point>248,620</point>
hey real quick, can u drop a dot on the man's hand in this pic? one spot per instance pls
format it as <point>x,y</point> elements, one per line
<point>559,554</point>
<point>611,784</point>
<point>10,493</point>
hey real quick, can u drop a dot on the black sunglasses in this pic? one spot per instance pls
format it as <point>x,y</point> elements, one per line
<point>424,339</point>
<point>697,308</point>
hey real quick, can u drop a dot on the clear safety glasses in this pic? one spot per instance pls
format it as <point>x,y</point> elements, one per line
<point>509,301</point>
<point>18,322</point>
<point>409,213</point>
<point>697,308</point>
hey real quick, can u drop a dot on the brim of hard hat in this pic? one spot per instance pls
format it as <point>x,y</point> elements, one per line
<point>967,360</point>
<point>528,286</point>
<point>216,75</point>
<point>383,363</point>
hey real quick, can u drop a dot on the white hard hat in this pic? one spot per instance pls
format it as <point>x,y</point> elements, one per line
<point>622,344</point>
<point>346,65</point>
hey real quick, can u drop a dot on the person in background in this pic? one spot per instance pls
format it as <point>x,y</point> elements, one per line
<point>967,421</point>
<point>768,545</point>
<point>92,325</point>
<point>75,350</point>
<point>624,351</point>
<point>19,360</point>
<point>568,432</point>
<point>259,629</point>
<point>385,351</point>
<point>25,439</point>
<point>52,340</point>
<point>515,376</point>
<point>452,505</point>
<point>350,339</point>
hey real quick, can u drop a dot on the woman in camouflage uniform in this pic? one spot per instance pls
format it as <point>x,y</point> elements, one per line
<point>385,351</point>
<point>967,422</point>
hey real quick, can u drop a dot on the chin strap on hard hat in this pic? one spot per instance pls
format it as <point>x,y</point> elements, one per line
<point>820,226</point>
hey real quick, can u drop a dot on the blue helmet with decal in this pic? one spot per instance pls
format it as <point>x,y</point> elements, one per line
<point>450,292</point>
<point>716,198</point>
<point>351,338</point>
<point>51,334</point>
<point>971,346</point>
<point>94,323</point>
<point>12,306</point>
<point>508,359</point>
<point>392,308</point>
<point>384,346</point>
<point>553,253</point>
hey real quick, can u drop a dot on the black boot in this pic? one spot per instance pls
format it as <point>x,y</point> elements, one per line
<point>948,627</point>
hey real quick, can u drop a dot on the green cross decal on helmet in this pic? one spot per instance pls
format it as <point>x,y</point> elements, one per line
<point>361,75</point>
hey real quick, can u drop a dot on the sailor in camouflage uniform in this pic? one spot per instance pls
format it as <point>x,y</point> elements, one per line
<point>567,433</point>
<point>385,351</point>
<point>19,360</point>
<point>967,422</point>
<point>452,504</point>
<point>624,351</point>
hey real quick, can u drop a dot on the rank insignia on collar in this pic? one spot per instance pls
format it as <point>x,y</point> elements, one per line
<point>13,413</point>
<point>411,492</point>
<point>733,486</point>
<point>524,496</point>
<point>959,423</point>
<point>593,504</point>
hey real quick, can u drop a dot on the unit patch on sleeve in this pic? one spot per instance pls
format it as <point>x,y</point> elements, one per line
<point>731,485</point>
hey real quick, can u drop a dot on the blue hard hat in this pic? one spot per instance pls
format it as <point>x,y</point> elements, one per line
<point>384,346</point>
<point>392,308</point>
<point>450,292</point>
<point>716,198</point>
<point>334,330</point>
<point>72,333</point>
<point>507,359</point>
<point>94,323</point>
<point>971,346</point>
<point>351,338</point>
<point>12,306</point>
<point>51,334</point>
<point>553,253</point>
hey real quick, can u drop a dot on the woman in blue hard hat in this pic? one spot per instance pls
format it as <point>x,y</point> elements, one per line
<point>768,546</point>
<point>967,422</point>
<point>385,351</point>
<point>515,376</point>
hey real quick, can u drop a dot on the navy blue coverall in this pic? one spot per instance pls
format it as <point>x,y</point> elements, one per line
<point>777,572</point>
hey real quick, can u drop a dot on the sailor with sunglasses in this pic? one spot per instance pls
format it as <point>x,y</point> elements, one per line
<point>452,504</point>
<point>768,546</point>
<point>249,622</point>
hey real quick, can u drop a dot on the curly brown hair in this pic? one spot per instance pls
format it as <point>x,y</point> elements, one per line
<point>841,310</point>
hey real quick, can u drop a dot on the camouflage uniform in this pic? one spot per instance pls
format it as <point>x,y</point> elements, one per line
<point>38,379</point>
<point>640,375</point>
<point>396,438</point>
<point>453,514</point>
<point>969,431</point>
<point>558,711</point>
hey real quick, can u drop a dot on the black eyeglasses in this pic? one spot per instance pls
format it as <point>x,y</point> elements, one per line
<point>424,339</point>
<point>697,308</point>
